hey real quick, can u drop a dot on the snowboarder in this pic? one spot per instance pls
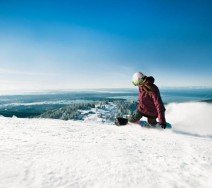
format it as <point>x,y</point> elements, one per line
<point>150,103</point>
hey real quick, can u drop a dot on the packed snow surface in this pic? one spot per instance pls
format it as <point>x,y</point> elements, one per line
<point>53,153</point>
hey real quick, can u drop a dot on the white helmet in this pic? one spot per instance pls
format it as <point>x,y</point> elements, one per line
<point>138,78</point>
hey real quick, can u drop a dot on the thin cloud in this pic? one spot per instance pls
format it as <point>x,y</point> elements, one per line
<point>18,72</point>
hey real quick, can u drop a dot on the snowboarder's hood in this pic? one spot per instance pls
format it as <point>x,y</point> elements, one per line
<point>150,80</point>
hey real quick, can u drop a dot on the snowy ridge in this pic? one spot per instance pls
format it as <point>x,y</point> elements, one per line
<point>104,111</point>
<point>54,153</point>
<point>100,113</point>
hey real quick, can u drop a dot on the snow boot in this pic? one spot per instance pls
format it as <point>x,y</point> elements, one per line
<point>121,121</point>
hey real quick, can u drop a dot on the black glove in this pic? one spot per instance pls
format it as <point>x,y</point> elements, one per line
<point>163,125</point>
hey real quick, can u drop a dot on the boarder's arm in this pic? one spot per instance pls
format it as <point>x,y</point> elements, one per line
<point>159,106</point>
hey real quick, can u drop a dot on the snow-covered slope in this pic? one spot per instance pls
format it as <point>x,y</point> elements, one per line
<point>54,153</point>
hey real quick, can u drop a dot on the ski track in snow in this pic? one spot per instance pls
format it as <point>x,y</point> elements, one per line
<point>52,153</point>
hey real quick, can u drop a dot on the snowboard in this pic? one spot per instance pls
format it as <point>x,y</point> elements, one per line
<point>124,121</point>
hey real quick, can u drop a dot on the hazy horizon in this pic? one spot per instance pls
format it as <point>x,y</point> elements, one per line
<point>55,91</point>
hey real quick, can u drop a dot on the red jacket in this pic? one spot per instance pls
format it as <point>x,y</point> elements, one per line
<point>150,102</point>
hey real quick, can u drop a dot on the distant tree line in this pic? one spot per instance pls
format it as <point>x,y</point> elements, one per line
<point>68,112</point>
<point>74,111</point>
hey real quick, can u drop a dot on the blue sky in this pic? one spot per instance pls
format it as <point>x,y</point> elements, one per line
<point>100,44</point>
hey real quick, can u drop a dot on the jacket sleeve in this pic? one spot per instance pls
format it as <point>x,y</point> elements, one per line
<point>159,106</point>
<point>139,99</point>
